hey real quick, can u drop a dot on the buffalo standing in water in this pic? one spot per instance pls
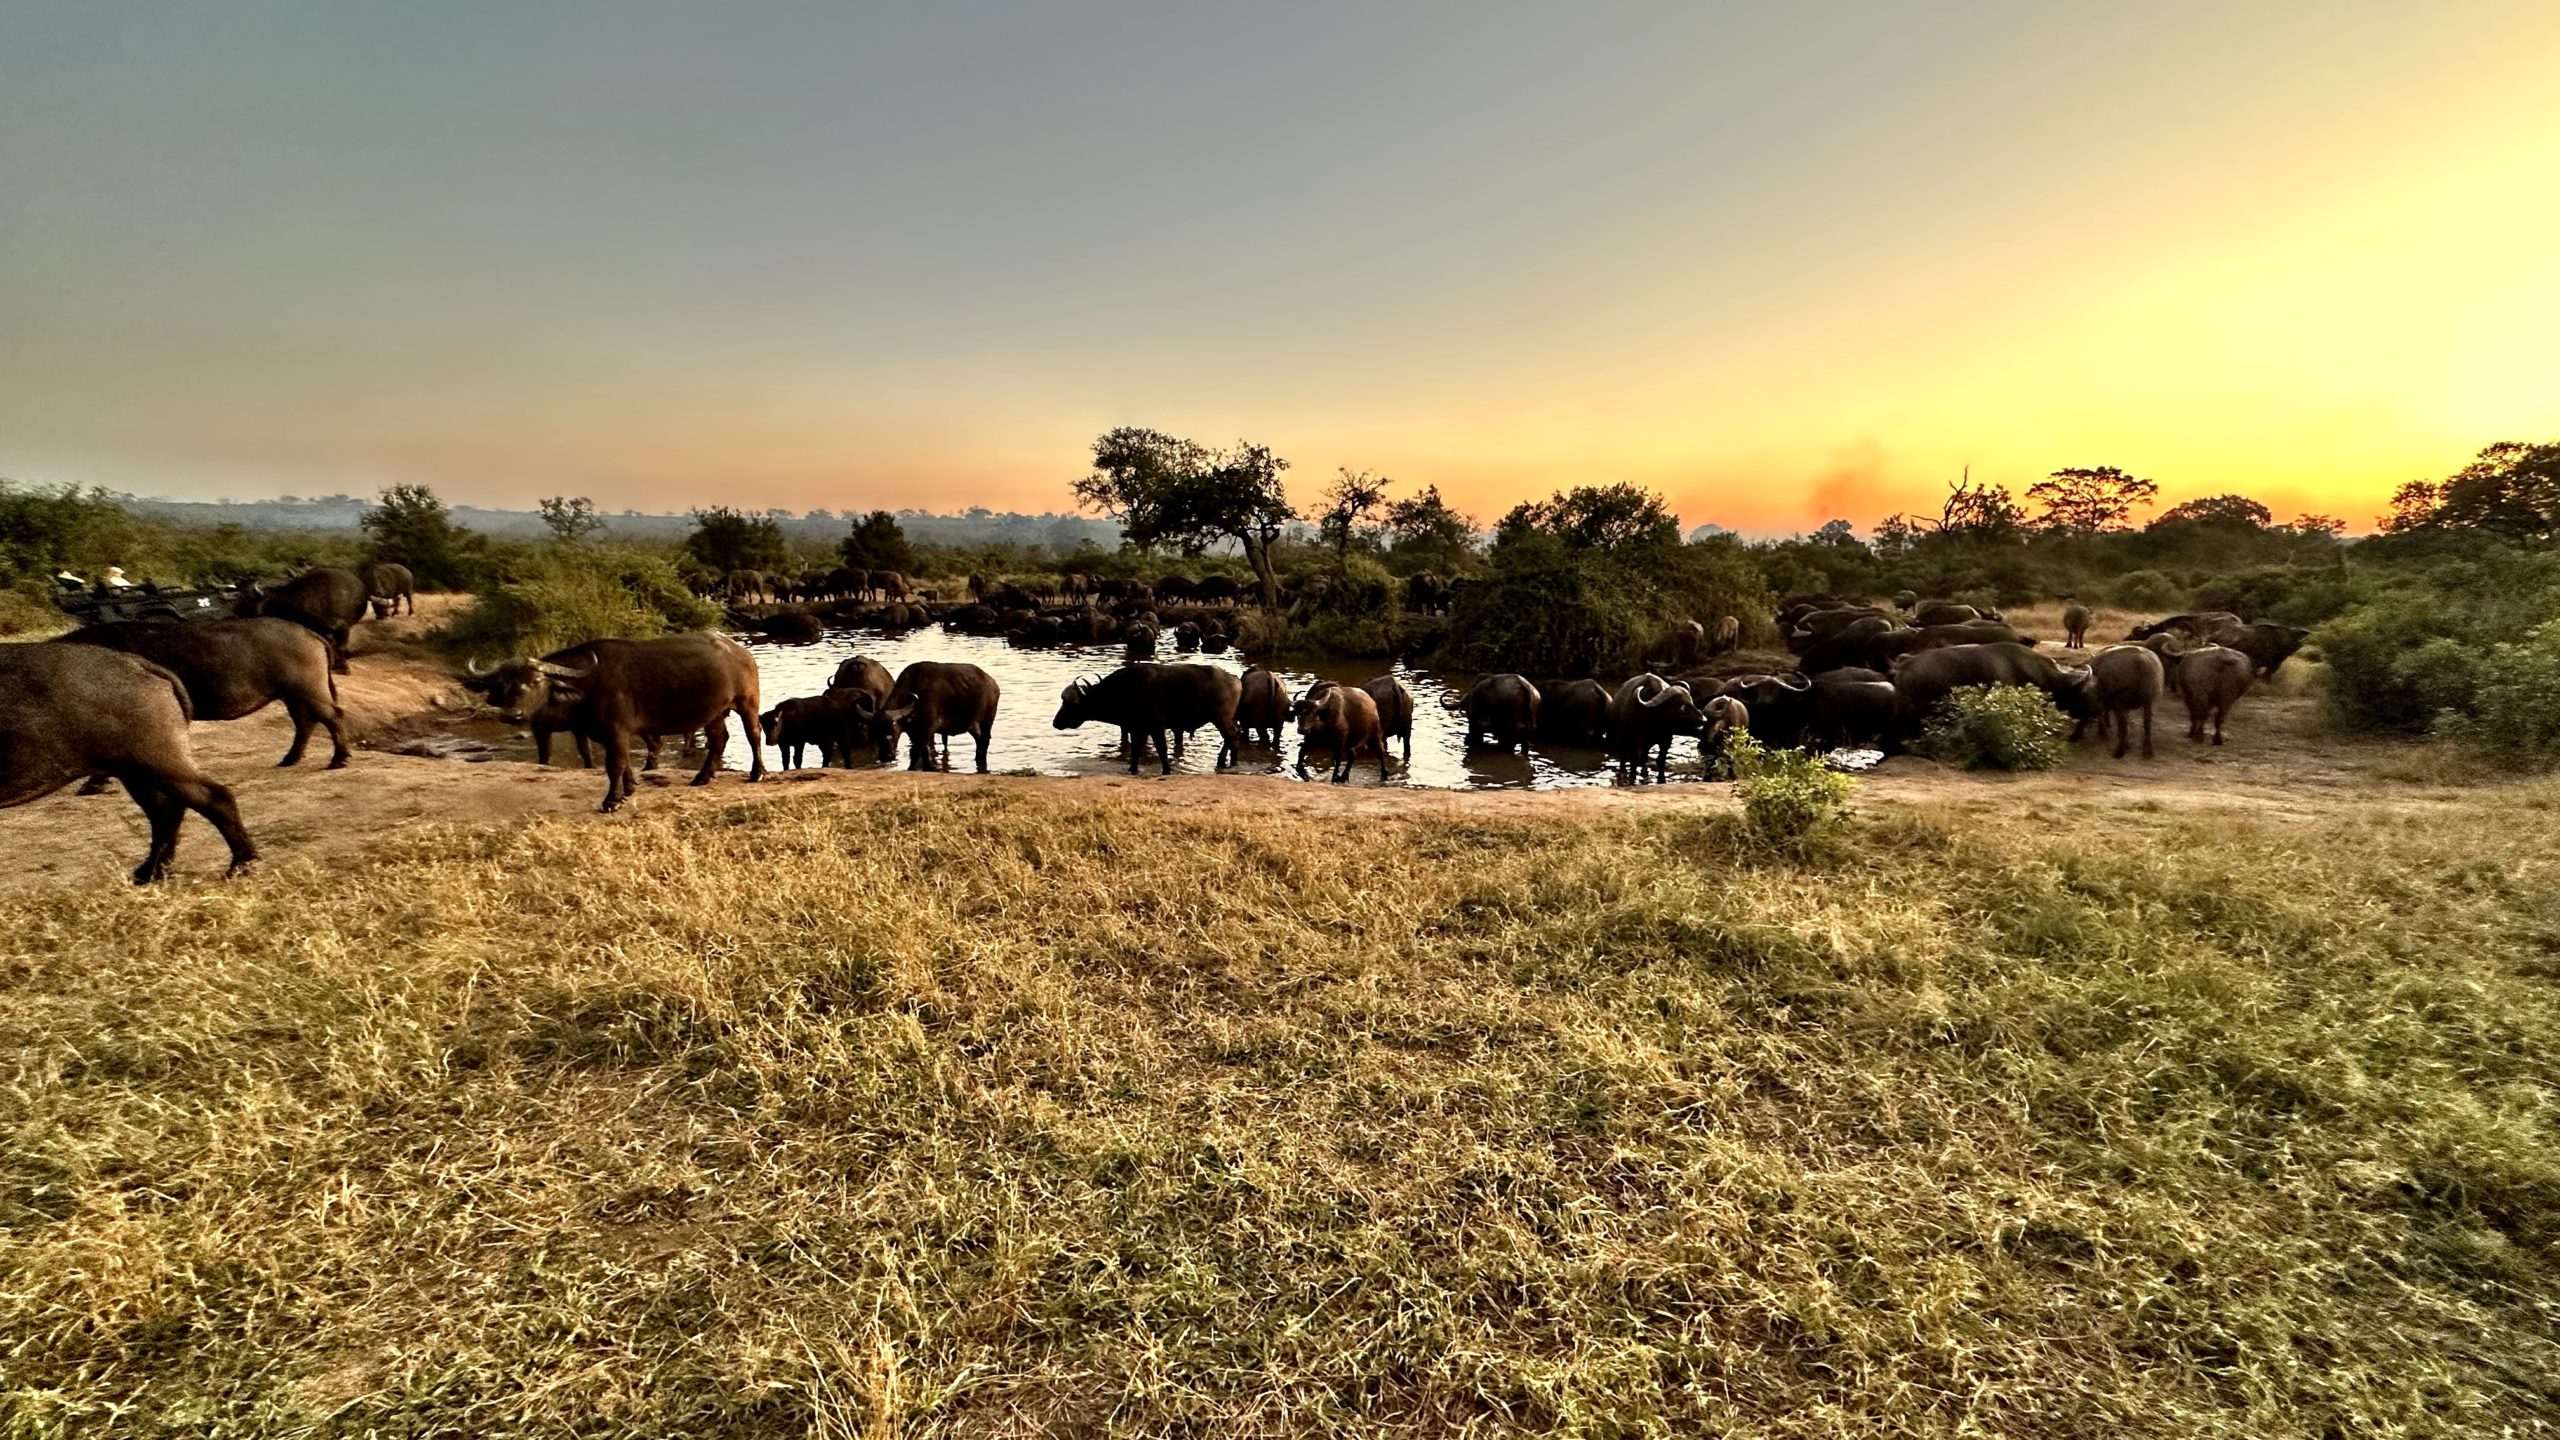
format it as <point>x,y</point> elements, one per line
<point>938,697</point>
<point>632,689</point>
<point>1152,702</point>
<point>70,711</point>
<point>1645,716</point>
<point>1344,719</point>
<point>1501,708</point>
<point>233,668</point>
<point>1262,706</point>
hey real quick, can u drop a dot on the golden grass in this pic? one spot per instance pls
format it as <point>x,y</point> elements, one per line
<point>994,1113</point>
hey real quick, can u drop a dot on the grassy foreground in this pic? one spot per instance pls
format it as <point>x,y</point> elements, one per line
<point>995,1112</point>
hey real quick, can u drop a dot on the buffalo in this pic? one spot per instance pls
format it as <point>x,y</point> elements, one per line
<point>1574,712</point>
<point>1926,679</point>
<point>391,587</point>
<point>2075,626</point>
<point>1884,650</point>
<point>1395,710</point>
<point>233,668</point>
<point>1830,710</point>
<point>71,711</point>
<point>327,601</point>
<point>2194,627</point>
<point>1344,719</point>
<point>1153,702</point>
<point>1501,708</point>
<point>2123,679</point>
<point>2211,679</point>
<point>934,698</point>
<point>1726,637</point>
<point>1262,706</point>
<point>1645,716</point>
<point>629,690</point>
<point>2268,645</point>
<point>793,727</point>
<point>1945,612</point>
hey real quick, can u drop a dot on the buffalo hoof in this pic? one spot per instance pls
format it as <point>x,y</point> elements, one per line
<point>338,762</point>
<point>240,865</point>
<point>698,781</point>
<point>148,872</point>
<point>96,785</point>
<point>608,807</point>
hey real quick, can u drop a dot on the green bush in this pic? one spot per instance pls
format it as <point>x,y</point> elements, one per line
<point>1997,727</point>
<point>561,596</point>
<point>24,614</point>
<point>2286,594</point>
<point>2147,590</point>
<point>1786,795</point>
<point>2514,704</point>
<point>2389,666</point>
<point>1548,608</point>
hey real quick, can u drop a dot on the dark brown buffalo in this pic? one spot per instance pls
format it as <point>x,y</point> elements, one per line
<point>2268,645</point>
<point>839,725</point>
<point>632,689</point>
<point>233,668</point>
<point>934,698</point>
<point>1882,651</point>
<point>1262,706</point>
<point>1574,712</point>
<point>327,601</point>
<point>2123,679</point>
<point>392,587</point>
<point>1645,716</point>
<point>2211,679</point>
<point>1501,708</point>
<point>1813,626</point>
<point>1848,645</point>
<point>2075,626</point>
<point>1395,710</point>
<point>71,711</point>
<point>1832,709</point>
<point>2195,627</point>
<point>1343,719</point>
<point>1926,679</point>
<point>1944,612</point>
<point>1153,703</point>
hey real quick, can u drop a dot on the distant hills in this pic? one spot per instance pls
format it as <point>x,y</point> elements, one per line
<point>327,513</point>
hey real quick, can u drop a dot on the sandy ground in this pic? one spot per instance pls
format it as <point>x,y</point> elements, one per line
<point>2278,764</point>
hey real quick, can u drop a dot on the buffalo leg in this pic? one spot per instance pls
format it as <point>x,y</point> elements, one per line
<point>338,646</point>
<point>542,747</point>
<point>753,724</point>
<point>984,735</point>
<point>2219,710</point>
<point>1302,760</point>
<point>1230,744</point>
<point>2146,729</point>
<point>718,744</point>
<point>1164,751</point>
<point>617,769</point>
<point>213,801</point>
<point>164,812</point>
<point>96,785</point>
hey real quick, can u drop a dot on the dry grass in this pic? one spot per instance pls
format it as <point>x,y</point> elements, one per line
<point>1000,1113</point>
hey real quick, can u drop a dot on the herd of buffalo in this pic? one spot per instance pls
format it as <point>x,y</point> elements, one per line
<point>112,701</point>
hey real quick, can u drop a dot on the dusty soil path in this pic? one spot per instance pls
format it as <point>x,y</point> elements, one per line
<point>404,706</point>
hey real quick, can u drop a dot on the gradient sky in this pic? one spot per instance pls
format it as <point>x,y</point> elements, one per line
<point>1781,262</point>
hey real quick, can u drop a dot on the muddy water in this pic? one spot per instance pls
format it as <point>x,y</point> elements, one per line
<point>1031,681</point>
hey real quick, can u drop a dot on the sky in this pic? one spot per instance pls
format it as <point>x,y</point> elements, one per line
<point>1782,263</point>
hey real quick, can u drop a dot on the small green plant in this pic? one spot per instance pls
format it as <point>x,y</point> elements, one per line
<point>1997,727</point>
<point>1787,795</point>
<point>568,594</point>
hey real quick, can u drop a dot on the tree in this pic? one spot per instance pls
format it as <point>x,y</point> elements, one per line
<point>724,540</point>
<point>1164,490</point>
<point>570,520</point>
<point>1607,518</point>
<point>2232,512</point>
<point>1982,512</point>
<point>2413,507</point>
<point>877,542</point>
<point>2090,500</point>
<point>2512,489</point>
<point>1424,526</point>
<point>409,526</point>
<point>2328,526</point>
<point>1838,535</point>
<point>1351,500</point>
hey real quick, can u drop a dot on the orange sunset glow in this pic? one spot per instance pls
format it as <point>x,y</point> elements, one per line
<point>1780,267</point>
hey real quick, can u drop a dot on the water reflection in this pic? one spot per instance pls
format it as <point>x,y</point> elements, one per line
<point>1032,679</point>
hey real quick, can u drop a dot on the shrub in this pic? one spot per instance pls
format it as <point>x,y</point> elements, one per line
<point>2147,590</point>
<point>1549,608</point>
<point>2514,704</point>
<point>23,614</point>
<point>2389,666</point>
<point>565,595</point>
<point>1786,795</point>
<point>1997,727</point>
<point>2286,594</point>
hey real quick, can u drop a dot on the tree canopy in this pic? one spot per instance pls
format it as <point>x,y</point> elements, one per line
<point>2090,500</point>
<point>724,539</point>
<point>1165,490</point>
<point>2237,512</point>
<point>1607,518</point>
<point>877,542</point>
<point>410,526</point>
<point>570,519</point>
